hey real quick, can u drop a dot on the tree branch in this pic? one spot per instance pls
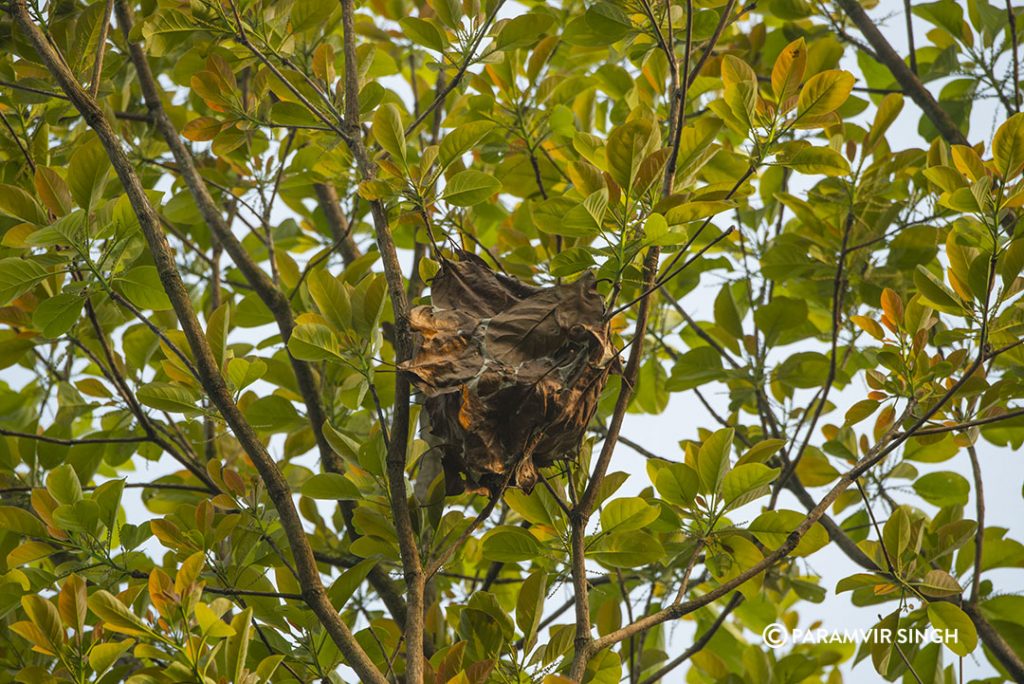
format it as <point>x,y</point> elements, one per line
<point>910,83</point>
<point>341,230</point>
<point>698,645</point>
<point>979,535</point>
<point>838,292</point>
<point>163,258</point>
<point>395,461</point>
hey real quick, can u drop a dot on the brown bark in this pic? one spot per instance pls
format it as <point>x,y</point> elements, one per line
<point>213,382</point>
<point>911,84</point>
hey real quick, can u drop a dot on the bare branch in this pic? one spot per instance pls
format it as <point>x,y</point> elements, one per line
<point>910,83</point>
<point>699,643</point>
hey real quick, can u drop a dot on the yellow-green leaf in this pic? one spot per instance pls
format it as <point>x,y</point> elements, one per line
<point>958,631</point>
<point>388,130</point>
<point>824,93</point>
<point>1008,147</point>
<point>470,187</point>
<point>788,71</point>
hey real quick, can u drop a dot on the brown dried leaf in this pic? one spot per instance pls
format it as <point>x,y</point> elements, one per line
<point>511,373</point>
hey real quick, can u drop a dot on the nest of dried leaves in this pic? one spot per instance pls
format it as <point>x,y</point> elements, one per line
<point>510,373</point>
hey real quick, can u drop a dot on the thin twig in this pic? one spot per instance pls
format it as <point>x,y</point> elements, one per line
<point>101,49</point>
<point>1011,20</point>
<point>17,141</point>
<point>699,643</point>
<point>979,535</point>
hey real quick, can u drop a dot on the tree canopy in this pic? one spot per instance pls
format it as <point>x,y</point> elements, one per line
<point>320,323</point>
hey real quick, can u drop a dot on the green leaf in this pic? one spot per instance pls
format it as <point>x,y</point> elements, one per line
<point>523,31</point>
<point>896,534</point>
<point>211,624</point>
<point>44,615</point>
<point>244,372</point>
<point>583,220</point>
<point>945,178</point>
<point>314,342</point>
<point>571,261</point>
<point>58,314</point>
<point>143,288</point>
<point>939,584</point>
<point>218,326</point>
<point>677,483</point>
<point>346,585</point>
<point>861,410</point>
<point>368,305</point>
<point>814,468</point>
<point>116,616</point>
<point>103,656</point>
<point>331,486</point>
<point>165,396</point>
<point>448,11</point>
<point>604,668</point>
<point>943,489</point>
<point>461,140</point>
<point>626,148</point>
<point>762,451</point>
<point>424,32</point>
<point>745,483</point>
<point>869,325</point>
<point>1008,147</point>
<point>601,25</point>
<point>18,276</point>
<point>780,315</point>
<point>696,148</point>
<point>509,544</point>
<point>237,648</point>
<point>273,413</point>
<point>18,204</point>
<point>341,443</point>
<point>961,636</point>
<point>265,670</point>
<point>331,298</point>
<point>629,513</point>
<point>695,368</point>
<point>107,498</point>
<point>81,516</point>
<point>788,71</point>
<point>935,293</point>
<point>87,173</point>
<point>962,200</point>
<point>739,84</point>
<point>63,484</point>
<point>28,552</point>
<point>727,315</point>
<point>859,581</point>
<point>824,93</point>
<point>818,160</point>
<point>888,109</point>
<point>388,130</point>
<point>19,520</point>
<point>470,187</point>
<point>773,528</point>
<point>627,549</point>
<point>713,459</point>
<point>657,232</point>
<point>530,606</point>
<point>694,211</point>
